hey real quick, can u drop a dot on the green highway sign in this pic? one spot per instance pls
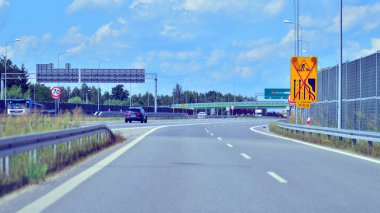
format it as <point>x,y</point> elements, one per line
<point>276,93</point>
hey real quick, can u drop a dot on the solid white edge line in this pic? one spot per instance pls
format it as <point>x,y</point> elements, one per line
<point>317,146</point>
<point>48,199</point>
<point>245,156</point>
<point>230,145</point>
<point>219,138</point>
<point>277,177</point>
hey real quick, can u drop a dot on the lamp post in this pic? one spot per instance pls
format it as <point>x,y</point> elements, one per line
<point>67,51</point>
<point>5,71</point>
<point>340,68</point>
<point>100,62</point>
<point>87,95</point>
<point>297,40</point>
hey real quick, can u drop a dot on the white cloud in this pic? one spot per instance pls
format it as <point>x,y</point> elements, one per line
<point>73,36</point>
<point>288,38</point>
<point>122,21</point>
<point>25,43</point>
<point>102,32</point>
<point>4,3</point>
<point>375,46</point>
<point>179,55</point>
<point>81,42</point>
<point>139,63</point>
<point>268,8</point>
<point>357,16</point>
<point>170,31</point>
<point>77,48</point>
<point>243,71</point>
<point>99,4</point>
<point>273,7</point>
<point>46,37</point>
<point>257,53</point>
<point>210,5</point>
<point>136,3</point>
<point>215,57</point>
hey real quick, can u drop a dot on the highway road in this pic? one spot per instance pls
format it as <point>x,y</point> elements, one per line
<point>210,165</point>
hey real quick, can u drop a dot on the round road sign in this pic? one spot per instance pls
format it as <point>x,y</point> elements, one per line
<point>291,103</point>
<point>55,92</point>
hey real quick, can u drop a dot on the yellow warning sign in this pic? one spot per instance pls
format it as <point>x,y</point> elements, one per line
<point>303,80</point>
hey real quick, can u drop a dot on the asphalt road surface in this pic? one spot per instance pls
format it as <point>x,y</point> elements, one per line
<point>231,165</point>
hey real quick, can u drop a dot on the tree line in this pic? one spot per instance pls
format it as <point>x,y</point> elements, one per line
<point>22,88</point>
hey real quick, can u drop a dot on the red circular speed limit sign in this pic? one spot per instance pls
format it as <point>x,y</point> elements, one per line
<point>55,92</point>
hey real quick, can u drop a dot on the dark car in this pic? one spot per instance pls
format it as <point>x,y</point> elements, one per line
<point>136,114</point>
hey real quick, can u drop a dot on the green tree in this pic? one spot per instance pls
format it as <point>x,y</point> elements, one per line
<point>75,92</point>
<point>177,93</point>
<point>119,93</point>
<point>75,100</point>
<point>40,92</point>
<point>15,76</point>
<point>16,92</point>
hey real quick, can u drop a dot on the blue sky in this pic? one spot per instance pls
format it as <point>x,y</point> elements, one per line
<point>237,46</point>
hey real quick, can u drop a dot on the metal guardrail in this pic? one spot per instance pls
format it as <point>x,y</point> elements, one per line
<point>149,114</point>
<point>229,104</point>
<point>18,144</point>
<point>342,133</point>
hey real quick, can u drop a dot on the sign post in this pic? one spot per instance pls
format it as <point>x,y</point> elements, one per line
<point>56,93</point>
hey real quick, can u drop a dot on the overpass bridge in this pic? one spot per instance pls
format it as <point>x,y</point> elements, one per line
<point>216,105</point>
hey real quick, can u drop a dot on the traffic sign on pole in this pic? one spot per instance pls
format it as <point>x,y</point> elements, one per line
<point>303,81</point>
<point>55,92</point>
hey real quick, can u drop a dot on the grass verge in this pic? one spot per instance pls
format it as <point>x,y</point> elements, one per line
<point>359,147</point>
<point>34,166</point>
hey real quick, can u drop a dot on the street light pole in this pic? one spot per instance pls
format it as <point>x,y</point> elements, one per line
<point>340,69</point>
<point>5,71</point>
<point>297,41</point>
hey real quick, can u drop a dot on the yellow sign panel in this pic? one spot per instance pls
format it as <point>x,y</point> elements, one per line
<point>303,80</point>
<point>303,105</point>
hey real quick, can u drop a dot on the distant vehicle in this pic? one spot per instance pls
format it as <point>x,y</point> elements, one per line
<point>201,115</point>
<point>258,112</point>
<point>22,106</point>
<point>136,114</point>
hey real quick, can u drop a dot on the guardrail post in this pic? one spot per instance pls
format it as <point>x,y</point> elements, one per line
<point>5,165</point>
<point>68,144</point>
<point>370,144</point>
<point>33,155</point>
<point>353,143</point>
<point>1,166</point>
<point>97,138</point>
<point>54,147</point>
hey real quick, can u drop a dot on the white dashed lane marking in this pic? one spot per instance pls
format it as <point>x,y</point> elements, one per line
<point>245,156</point>
<point>277,177</point>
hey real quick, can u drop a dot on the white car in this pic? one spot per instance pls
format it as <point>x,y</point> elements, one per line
<point>201,115</point>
